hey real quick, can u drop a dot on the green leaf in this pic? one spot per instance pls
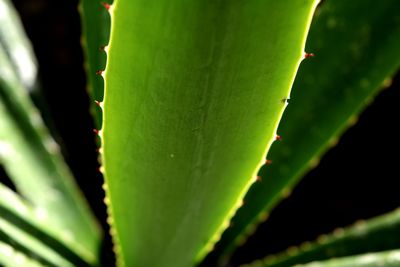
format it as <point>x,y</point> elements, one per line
<point>17,46</point>
<point>9,257</point>
<point>21,229</point>
<point>32,160</point>
<point>30,246</point>
<point>39,175</point>
<point>376,234</point>
<point>95,22</point>
<point>356,50</point>
<point>381,259</point>
<point>194,94</point>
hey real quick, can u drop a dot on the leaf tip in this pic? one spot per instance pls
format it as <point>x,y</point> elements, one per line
<point>263,216</point>
<point>286,192</point>
<point>104,48</point>
<point>285,100</point>
<point>308,55</point>
<point>101,169</point>
<point>105,5</point>
<point>100,72</point>
<point>322,239</point>
<point>291,251</point>
<point>338,232</point>
<point>99,104</point>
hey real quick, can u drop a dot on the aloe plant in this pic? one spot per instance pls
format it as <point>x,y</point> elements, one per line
<point>186,102</point>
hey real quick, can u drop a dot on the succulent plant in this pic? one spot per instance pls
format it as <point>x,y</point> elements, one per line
<point>188,101</point>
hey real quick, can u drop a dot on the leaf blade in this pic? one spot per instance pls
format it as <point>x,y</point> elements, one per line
<point>24,232</point>
<point>17,46</point>
<point>313,121</point>
<point>197,60</point>
<point>9,257</point>
<point>376,234</point>
<point>32,158</point>
<point>384,259</point>
<point>95,22</point>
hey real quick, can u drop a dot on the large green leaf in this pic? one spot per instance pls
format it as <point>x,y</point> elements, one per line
<point>376,234</point>
<point>194,94</point>
<point>357,51</point>
<point>32,159</point>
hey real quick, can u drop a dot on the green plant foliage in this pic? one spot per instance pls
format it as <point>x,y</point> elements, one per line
<point>10,257</point>
<point>20,229</point>
<point>381,259</point>
<point>377,234</point>
<point>34,171</point>
<point>349,69</point>
<point>194,94</point>
<point>95,22</point>
<point>17,45</point>
<point>32,158</point>
<point>30,246</point>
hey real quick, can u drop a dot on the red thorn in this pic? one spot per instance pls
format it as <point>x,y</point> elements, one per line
<point>278,138</point>
<point>106,5</point>
<point>268,162</point>
<point>98,103</point>
<point>102,48</point>
<point>99,72</point>
<point>259,179</point>
<point>96,131</point>
<point>307,55</point>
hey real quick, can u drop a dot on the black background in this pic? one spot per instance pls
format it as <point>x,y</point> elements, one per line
<point>357,179</point>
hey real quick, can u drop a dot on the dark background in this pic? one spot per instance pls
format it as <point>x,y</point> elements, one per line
<point>356,180</point>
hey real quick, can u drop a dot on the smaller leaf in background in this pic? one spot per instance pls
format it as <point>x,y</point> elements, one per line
<point>356,54</point>
<point>28,245</point>
<point>20,228</point>
<point>95,21</point>
<point>32,159</point>
<point>376,234</point>
<point>17,46</point>
<point>380,259</point>
<point>10,257</point>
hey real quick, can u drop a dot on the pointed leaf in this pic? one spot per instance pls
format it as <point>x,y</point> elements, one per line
<point>376,234</point>
<point>33,161</point>
<point>381,259</point>
<point>356,54</point>
<point>194,94</point>
<point>21,228</point>
<point>17,46</point>
<point>9,257</point>
<point>95,22</point>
